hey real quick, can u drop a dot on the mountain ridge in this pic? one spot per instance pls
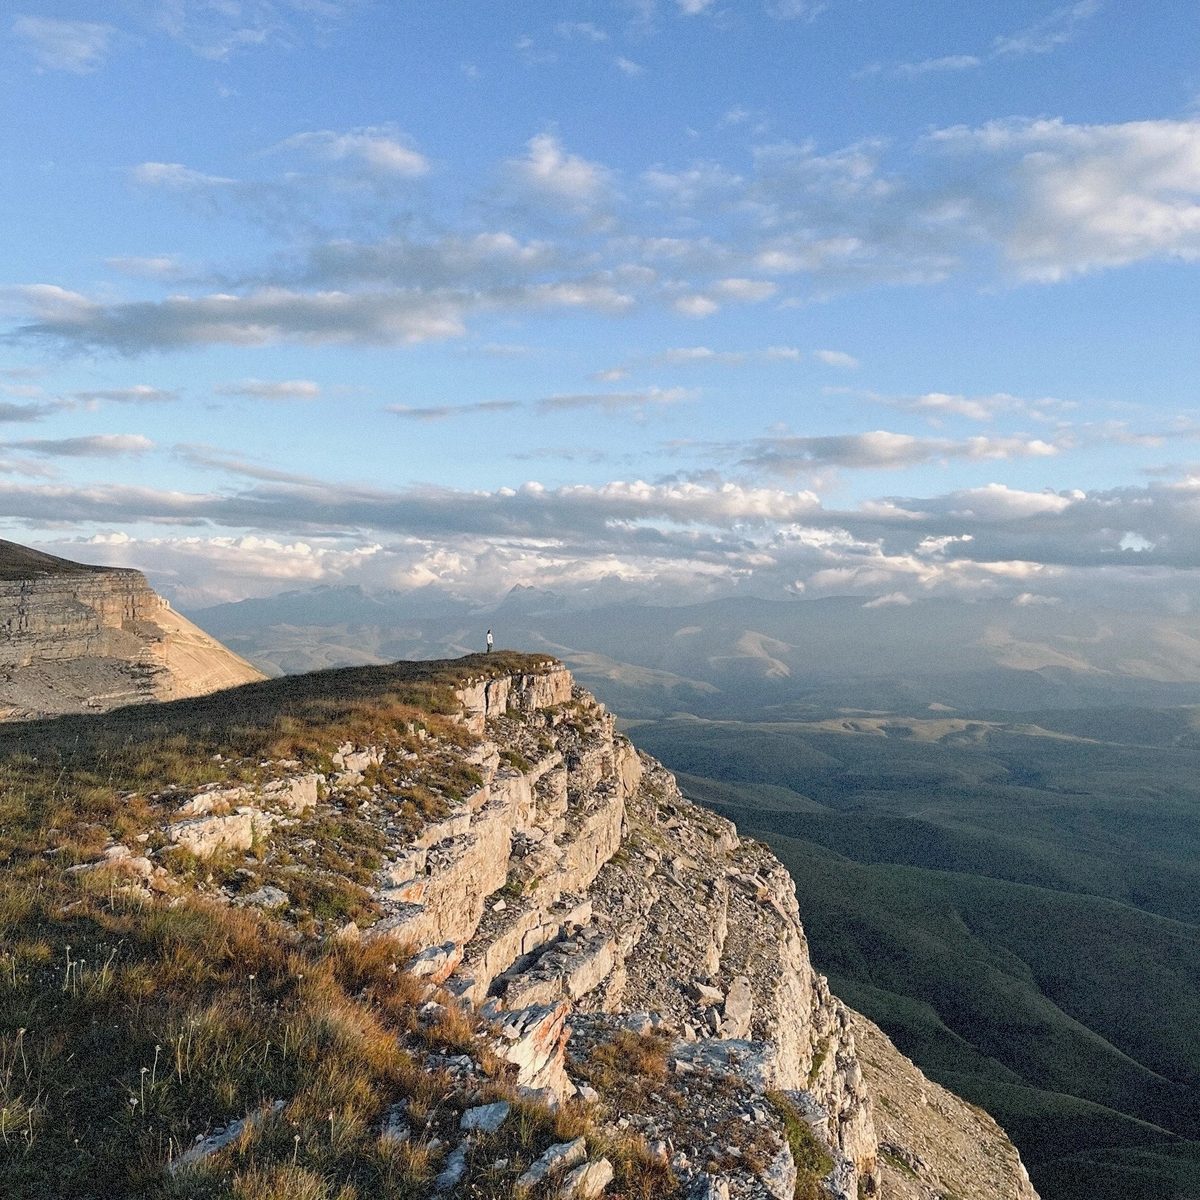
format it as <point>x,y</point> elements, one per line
<point>77,638</point>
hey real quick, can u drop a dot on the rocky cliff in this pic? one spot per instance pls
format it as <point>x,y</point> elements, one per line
<point>613,946</point>
<point>78,638</point>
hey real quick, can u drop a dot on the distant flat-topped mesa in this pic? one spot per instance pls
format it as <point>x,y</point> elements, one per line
<point>79,638</point>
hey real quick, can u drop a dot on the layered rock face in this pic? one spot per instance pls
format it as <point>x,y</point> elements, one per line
<point>578,893</point>
<point>591,915</point>
<point>77,638</point>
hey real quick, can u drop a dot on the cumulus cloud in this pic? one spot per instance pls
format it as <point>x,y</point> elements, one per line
<point>1065,199</point>
<point>837,358</point>
<point>377,147</point>
<point>262,389</point>
<point>214,569</point>
<point>549,173</point>
<point>724,291</point>
<point>1048,199</point>
<point>57,45</point>
<point>698,539</point>
<point>882,449</point>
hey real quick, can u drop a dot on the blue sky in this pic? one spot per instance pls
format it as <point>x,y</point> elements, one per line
<point>668,299</point>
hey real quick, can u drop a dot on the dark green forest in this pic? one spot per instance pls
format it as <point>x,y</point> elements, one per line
<point>1014,899</point>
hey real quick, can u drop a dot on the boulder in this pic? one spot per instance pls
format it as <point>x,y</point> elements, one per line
<point>739,1008</point>
<point>587,1181</point>
<point>557,1158</point>
<point>485,1118</point>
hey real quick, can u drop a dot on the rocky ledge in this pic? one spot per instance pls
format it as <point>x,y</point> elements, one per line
<point>617,945</point>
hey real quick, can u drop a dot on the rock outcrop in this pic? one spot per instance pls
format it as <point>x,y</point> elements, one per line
<point>622,946</point>
<point>78,638</point>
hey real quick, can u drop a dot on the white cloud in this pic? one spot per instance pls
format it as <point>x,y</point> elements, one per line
<point>438,412</point>
<point>696,307</point>
<point>891,599</point>
<point>723,291</point>
<point>582,29</point>
<point>175,176</point>
<point>391,317</point>
<point>139,393</point>
<point>837,358</point>
<point>377,147</point>
<point>74,46</point>
<point>1053,200</point>
<point>882,449</point>
<point>262,389</point>
<point>616,401</point>
<point>1066,199</point>
<point>481,259</point>
<point>1053,30</point>
<point>212,570</point>
<point>744,291</point>
<point>704,355</point>
<point>548,172</point>
<point>1135,542</point>
<point>950,62</point>
<point>215,29</point>
<point>628,67</point>
<point>97,445</point>
<point>680,540</point>
<point>939,545</point>
<point>691,8</point>
<point>998,501</point>
<point>268,316</point>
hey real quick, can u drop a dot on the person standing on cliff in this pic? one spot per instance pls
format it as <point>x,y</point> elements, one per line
<point>489,641</point>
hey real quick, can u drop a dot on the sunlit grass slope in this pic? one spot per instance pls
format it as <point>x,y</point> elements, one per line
<point>128,1026</point>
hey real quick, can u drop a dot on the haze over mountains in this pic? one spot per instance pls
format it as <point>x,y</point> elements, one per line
<point>988,808</point>
<point>734,656</point>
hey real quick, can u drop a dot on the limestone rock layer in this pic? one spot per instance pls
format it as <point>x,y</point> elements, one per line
<point>577,893</point>
<point>77,638</point>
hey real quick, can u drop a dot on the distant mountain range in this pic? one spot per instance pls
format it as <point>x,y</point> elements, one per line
<point>742,656</point>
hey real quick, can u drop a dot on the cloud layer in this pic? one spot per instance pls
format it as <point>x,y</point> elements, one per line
<point>1038,201</point>
<point>672,541</point>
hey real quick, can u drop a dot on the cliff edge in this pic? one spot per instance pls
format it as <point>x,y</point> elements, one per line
<point>80,638</point>
<point>545,925</point>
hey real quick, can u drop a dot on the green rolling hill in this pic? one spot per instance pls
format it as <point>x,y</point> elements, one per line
<point>1016,900</point>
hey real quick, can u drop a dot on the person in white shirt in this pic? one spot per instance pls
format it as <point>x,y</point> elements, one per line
<point>489,641</point>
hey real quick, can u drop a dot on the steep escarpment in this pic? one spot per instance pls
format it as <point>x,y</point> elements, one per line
<point>498,954</point>
<point>78,638</point>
